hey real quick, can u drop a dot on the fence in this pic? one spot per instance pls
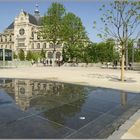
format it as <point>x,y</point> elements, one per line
<point>82,65</point>
<point>136,66</point>
<point>15,63</point>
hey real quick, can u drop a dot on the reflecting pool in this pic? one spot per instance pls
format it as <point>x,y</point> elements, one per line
<point>45,109</point>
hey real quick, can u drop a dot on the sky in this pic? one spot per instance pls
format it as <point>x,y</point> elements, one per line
<point>87,10</point>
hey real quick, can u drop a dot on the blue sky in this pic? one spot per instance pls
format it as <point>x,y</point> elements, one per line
<point>88,11</point>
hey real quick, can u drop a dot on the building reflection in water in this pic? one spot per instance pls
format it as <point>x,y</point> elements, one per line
<point>35,93</point>
<point>27,90</point>
<point>31,93</point>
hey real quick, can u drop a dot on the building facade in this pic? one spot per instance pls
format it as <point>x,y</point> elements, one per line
<point>22,33</point>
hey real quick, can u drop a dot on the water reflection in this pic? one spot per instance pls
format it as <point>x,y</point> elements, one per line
<point>64,105</point>
<point>34,93</point>
<point>123,98</point>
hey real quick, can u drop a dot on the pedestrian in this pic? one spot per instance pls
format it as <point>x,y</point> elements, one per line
<point>50,62</point>
<point>32,62</point>
<point>47,61</point>
<point>44,62</point>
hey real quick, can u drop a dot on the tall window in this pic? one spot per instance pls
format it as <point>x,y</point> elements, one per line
<point>38,37</point>
<point>10,38</point>
<point>38,45</point>
<point>50,45</point>
<point>32,35</point>
<point>32,45</point>
<point>5,39</point>
<point>44,46</point>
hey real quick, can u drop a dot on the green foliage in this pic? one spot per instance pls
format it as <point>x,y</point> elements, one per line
<point>15,56</point>
<point>117,17</point>
<point>64,27</point>
<point>42,54</point>
<point>21,55</point>
<point>36,56</point>
<point>52,23</point>
<point>137,55</point>
<point>73,30</point>
<point>102,52</point>
<point>92,53</point>
<point>29,56</point>
<point>65,54</point>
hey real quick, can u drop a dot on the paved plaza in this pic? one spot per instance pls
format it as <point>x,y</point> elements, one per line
<point>91,76</point>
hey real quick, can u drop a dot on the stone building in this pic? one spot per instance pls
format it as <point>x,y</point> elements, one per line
<point>22,33</point>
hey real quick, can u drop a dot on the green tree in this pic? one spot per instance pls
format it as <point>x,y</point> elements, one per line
<point>65,54</point>
<point>74,34</point>
<point>29,56</point>
<point>137,55</point>
<point>21,55</point>
<point>42,54</point>
<point>101,52</point>
<point>35,56</point>
<point>52,24</point>
<point>121,20</point>
<point>15,56</point>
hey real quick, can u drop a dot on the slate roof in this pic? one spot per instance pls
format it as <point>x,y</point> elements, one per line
<point>32,20</point>
<point>11,26</point>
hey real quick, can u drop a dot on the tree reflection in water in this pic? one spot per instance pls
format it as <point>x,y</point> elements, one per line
<point>41,94</point>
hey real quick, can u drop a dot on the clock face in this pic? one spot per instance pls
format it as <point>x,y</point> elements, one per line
<point>21,31</point>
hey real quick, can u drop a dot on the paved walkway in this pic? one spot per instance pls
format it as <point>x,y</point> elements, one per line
<point>108,78</point>
<point>94,76</point>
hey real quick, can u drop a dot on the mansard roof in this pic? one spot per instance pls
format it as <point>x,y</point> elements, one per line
<point>32,20</point>
<point>11,26</point>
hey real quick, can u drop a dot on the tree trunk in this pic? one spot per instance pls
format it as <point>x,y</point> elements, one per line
<point>122,64</point>
<point>126,55</point>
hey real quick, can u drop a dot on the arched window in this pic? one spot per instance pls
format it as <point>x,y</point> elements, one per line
<point>5,39</point>
<point>50,55</point>
<point>38,45</point>
<point>38,37</point>
<point>10,39</point>
<point>58,55</point>
<point>44,46</point>
<point>32,35</point>
<point>32,45</point>
<point>58,45</point>
<point>1,39</point>
<point>50,45</point>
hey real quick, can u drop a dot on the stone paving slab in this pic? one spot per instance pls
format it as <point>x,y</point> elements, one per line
<point>34,127</point>
<point>129,130</point>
